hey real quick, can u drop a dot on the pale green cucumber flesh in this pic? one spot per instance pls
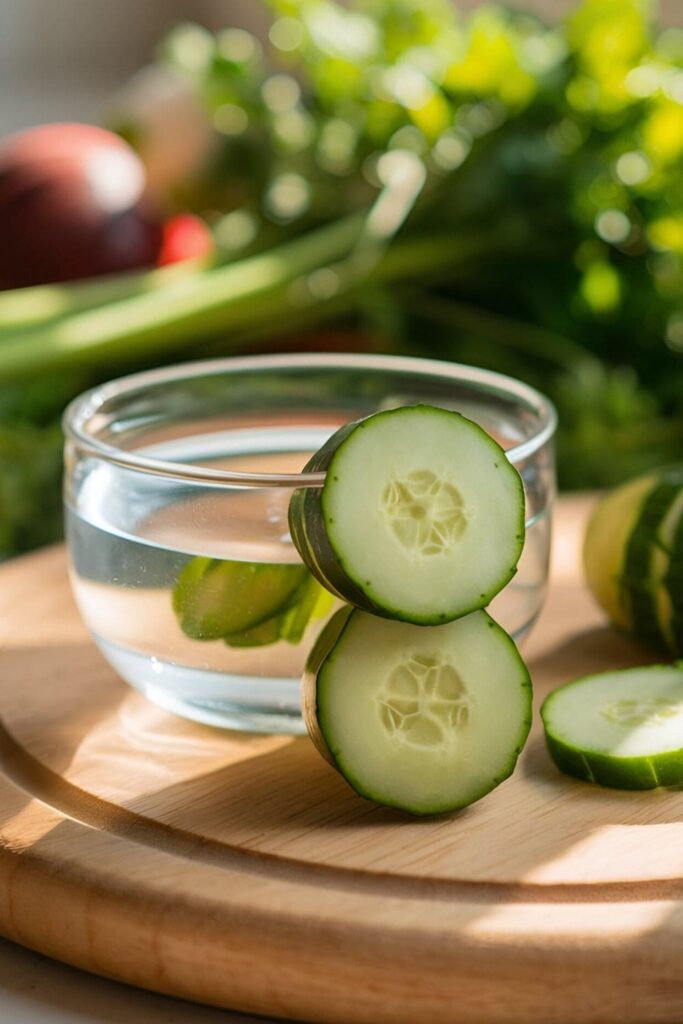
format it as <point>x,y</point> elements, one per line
<point>622,729</point>
<point>421,517</point>
<point>425,719</point>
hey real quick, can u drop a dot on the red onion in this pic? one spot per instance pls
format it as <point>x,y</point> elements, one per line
<point>72,205</point>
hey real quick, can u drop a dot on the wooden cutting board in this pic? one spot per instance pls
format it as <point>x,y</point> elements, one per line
<point>241,871</point>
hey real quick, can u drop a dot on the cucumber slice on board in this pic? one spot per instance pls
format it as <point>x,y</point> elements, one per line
<point>619,729</point>
<point>421,516</point>
<point>424,718</point>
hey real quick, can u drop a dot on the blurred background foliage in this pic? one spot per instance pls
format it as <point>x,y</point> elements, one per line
<point>519,195</point>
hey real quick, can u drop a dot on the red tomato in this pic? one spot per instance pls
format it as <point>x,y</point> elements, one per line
<point>186,237</point>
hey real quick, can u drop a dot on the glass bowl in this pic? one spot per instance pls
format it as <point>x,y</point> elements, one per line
<point>177,489</point>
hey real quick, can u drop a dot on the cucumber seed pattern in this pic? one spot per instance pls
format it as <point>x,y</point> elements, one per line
<point>427,514</point>
<point>423,701</point>
<point>641,711</point>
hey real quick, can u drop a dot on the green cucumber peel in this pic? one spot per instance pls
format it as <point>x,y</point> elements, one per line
<point>673,582</point>
<point>638,583</point>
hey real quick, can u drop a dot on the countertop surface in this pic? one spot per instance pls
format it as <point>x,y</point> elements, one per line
<point>37,990</point>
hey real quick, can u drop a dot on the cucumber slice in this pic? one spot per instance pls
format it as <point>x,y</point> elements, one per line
<point>214,598</point>
<point>265,633</point>
<point>309,602</point>
<point>421,517</point>
<point>426,719</point>
<point>620,729</point>
<point>313,602</point>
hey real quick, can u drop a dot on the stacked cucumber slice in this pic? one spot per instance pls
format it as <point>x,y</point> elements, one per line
<point>424,718</point>
<point>421,517</point>
<point>420,521</point>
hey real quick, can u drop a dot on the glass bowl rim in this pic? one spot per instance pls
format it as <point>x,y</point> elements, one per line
<point>84,407</point>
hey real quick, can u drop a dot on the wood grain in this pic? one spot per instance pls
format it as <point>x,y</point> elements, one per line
<point>241,871</point>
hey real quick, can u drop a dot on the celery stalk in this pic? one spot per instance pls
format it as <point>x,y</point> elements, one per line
<point>22,308</point>
<point>220,300</point>
<point>252,297</point>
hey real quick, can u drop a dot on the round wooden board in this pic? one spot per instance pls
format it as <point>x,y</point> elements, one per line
<point>241,871</point>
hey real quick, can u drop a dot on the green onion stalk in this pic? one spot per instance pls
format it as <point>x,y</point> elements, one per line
<point>301,281</point>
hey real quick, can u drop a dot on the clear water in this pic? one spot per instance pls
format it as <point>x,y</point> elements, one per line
<point>136,540</point>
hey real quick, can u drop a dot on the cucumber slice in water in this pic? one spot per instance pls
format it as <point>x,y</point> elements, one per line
<point>309,602</point>
<point>213,598</point>
<point>426,719</point>
<point>620,729</point>
<point>265,633</point>
<point>421,517</point>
